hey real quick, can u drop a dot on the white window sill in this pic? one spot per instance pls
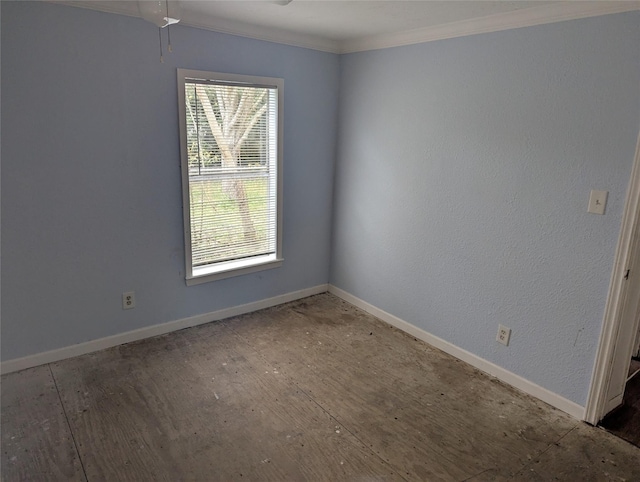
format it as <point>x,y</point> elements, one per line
<point>229,269</point>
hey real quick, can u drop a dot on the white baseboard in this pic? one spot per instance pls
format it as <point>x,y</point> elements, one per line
<point>147,332</point>
<point>492,369</point>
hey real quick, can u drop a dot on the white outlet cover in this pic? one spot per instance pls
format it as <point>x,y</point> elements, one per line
<point>597,201</point>
<point>504,335</point>
<point>128,300</point>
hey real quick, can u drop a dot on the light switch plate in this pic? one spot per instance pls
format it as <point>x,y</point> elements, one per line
<point>597,201</point>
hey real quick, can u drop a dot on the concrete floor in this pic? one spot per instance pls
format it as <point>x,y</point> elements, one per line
<point>311,390</point>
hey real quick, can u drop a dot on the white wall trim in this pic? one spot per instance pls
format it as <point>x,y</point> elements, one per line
<point>267,34</point>
<point>155,330</point>
<point>525,17</point>
<point>492,369</point>
<point>596,401</point>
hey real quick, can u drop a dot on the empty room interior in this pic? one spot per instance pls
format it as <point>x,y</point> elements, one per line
<point>307,240</point>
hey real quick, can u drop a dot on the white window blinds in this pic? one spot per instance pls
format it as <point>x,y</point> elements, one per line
<point>232,162</point>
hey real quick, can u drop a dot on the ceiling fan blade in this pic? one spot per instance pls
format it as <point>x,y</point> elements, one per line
<point>170,21</point>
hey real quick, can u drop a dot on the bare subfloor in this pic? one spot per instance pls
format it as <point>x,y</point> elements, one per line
<point>311,390</point>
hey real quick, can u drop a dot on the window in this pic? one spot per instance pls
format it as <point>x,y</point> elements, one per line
<point>231,159</point>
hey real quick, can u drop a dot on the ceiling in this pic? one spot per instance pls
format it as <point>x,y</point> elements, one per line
<point>348,26</point>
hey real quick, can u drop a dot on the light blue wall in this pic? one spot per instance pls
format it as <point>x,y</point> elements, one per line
<point>91,189</point>
<point>463,174</point>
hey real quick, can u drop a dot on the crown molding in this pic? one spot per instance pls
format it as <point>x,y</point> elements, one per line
<point>493,23</point>
<point>267,34</point>
<point>557,12</point>
<point>257,32</point>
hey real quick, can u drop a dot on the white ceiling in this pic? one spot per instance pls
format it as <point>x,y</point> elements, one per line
<point>348,26</point>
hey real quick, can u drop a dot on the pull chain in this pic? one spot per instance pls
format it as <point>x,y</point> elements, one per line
<point>160,42</point>
<point>168,29</point>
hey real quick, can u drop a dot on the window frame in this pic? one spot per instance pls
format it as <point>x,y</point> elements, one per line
<point>226,269</point>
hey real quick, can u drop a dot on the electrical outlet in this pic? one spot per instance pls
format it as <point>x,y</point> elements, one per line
<point>504,334</point>
<point>128,300</point>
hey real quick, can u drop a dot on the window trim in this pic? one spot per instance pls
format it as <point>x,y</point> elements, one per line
<point>228,269</point>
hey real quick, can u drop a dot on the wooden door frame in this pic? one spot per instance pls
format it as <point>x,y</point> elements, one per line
<point>596,401</point>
